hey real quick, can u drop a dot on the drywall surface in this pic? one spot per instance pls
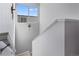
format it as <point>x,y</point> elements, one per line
<point>51,11</point>
<point>51,42</point>
<point>6,22</point>
<point>25,35</point>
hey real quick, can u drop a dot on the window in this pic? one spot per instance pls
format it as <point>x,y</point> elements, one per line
<point>22,9</point>
<point>33,12</point>
<point>22,19</point>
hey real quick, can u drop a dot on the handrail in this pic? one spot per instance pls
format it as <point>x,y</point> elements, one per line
<point>53,23</point>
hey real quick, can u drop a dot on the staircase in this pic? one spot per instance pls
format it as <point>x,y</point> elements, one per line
<point>61,38</point>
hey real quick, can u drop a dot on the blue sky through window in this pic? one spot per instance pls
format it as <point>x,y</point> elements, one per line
<point>23,10</point>
<point>33,12</point>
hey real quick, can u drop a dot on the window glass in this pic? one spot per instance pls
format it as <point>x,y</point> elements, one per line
<point>22,9</point>
<point>33,12</point>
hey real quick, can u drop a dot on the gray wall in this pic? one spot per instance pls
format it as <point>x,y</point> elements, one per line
<point>51,11</point>
<point>51,42</point>
<point>6,23</point>
<point>72,38</point>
